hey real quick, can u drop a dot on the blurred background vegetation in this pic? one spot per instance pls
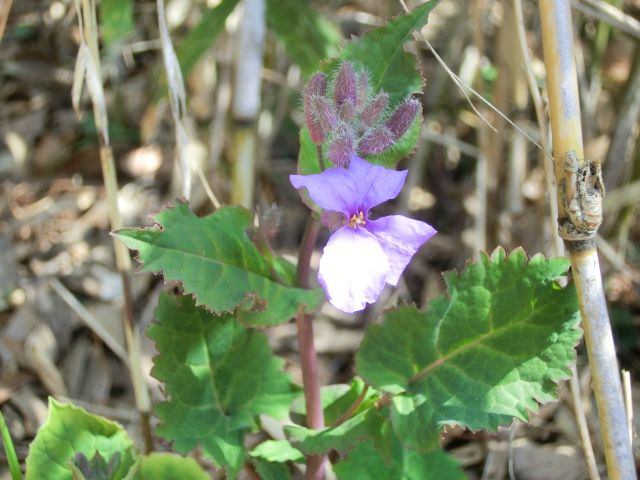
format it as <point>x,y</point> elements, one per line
<point>480,184</point>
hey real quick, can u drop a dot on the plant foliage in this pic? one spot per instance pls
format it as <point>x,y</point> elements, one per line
<point>218,377</point>
<point>216,261</point>
<point>380,52</point>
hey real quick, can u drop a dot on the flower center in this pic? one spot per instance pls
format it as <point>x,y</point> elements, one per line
<point>357,220</point>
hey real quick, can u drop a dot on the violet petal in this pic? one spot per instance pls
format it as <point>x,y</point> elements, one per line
<point>353,268</point>
<point>332,189</point>
<point>400,238</point>
<point>375,183</point>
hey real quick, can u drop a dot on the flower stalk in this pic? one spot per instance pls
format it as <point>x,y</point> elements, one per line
<point>308,355</point>
<point>580,192</point>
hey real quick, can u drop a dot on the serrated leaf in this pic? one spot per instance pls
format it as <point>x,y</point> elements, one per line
<point>202,37</point>
<point>167,466</point>
<point>276,451</point>
<point>488,351</point>
<point>216,261</point>
<point>404,465</point>
<point>218,376</point>
<point>307,36</point>
<point>69,431</point>
<point>381,53</point>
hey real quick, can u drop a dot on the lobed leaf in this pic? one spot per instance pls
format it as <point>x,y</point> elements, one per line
<point>403,465</point>
<point>488,351</point>
<point>70,431</point>
<point>218,376</point>
<point>216,261</point>
<point>381,53</point>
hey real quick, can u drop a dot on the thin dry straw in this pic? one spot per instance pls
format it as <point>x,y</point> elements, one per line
<point>178,100</point>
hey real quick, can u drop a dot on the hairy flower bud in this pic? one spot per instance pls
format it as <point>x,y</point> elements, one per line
<point>316,87</point>
<point>347,111</point>
<point>376,141</point>
<point>371,114</point>
<point>363,90</point>
<point>324,119</point>
<point>341,148</point>
<point>345,86</point>
<point>402,118</point>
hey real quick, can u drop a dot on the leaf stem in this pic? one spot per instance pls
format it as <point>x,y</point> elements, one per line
<point>579,186</point>
<point>352,409</point>
<point>308,355</point>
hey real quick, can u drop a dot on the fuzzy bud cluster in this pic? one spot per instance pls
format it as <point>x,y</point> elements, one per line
<point>345,119</point>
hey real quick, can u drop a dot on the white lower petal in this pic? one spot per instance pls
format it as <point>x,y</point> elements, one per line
<point>400,238</point>
<point>353,268</point>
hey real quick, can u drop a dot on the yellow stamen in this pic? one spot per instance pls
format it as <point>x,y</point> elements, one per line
<point>357,220</point>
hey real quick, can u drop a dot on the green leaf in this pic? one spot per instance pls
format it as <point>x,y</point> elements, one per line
<point>202,37</point>
<point>167,466</point>
<point>218,376</point>
<point>336,400</point>
<point>272,471</point>
<point>363,426</point>
<point>70,431</point>
<point>10,451</point>
<point>307,36</point>
<point>276,451</point>
<point>381,53</point>
<point>216,261</point>
<point>116,21</point>
<point>403,465</point>
<point>488,351</point>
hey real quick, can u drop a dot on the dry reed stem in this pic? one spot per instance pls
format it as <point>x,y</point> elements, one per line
<point>88,68</point>
<point>620,151</point>
<point>5,9</point>
<point>628,402</point>
<point>245,105</point>
<point>607,13</point>
<point>177,101</point>
<point>577,178</point>
<point>558,246</point>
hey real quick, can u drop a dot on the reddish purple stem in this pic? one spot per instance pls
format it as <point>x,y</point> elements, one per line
<point>308,356</point>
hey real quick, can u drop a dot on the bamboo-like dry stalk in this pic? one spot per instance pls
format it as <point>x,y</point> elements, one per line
<point>88,69</point>
<point>580,192</point>
<point>245,106</point>
<point>178,101</point>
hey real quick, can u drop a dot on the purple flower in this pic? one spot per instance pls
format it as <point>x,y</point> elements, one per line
<point>362,254</point>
